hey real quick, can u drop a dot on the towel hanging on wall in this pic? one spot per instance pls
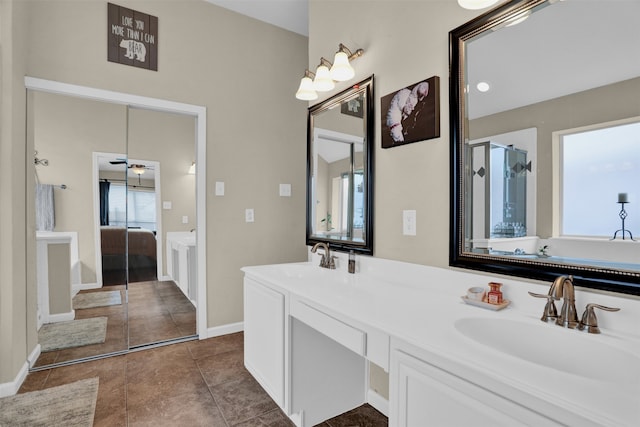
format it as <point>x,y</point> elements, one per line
<point>45,217</point>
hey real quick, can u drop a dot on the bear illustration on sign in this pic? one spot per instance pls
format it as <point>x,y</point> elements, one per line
<point>134,49</point>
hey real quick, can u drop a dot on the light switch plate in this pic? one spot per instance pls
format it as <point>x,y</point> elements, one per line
<point>248,215</point>
<point>166,205</point>
<point>409,223</point>
<point>185,219</point>
<point>219,188</point>
<point>285,190</point>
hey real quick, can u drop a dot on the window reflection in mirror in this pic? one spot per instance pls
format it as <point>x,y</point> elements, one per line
<point>339,170</point>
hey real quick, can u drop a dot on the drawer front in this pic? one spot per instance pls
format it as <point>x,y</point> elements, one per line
<point>350,337</point>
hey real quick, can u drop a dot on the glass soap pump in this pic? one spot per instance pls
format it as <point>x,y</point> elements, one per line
<point>352,262</point>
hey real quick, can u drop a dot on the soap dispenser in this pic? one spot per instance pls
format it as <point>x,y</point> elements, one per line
<point>352,262</point>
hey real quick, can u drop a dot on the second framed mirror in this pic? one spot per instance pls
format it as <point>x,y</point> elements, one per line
<point>340,170</point>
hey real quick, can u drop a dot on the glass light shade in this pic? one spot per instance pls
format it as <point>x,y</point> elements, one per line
<point>306,92</point>
<point>476,4</point>
<point>342,70</point>
<point>192,169</point>
<point>323,81</point>
<point>137,169</point>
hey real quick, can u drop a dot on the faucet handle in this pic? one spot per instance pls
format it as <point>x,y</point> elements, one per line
<point>589,320</point>
<point>323,260</point>
<point>332,262</point>
<point>550,312</point>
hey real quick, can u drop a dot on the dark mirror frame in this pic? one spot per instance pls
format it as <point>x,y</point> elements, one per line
<point>591,277</point>
<point>366,87</point>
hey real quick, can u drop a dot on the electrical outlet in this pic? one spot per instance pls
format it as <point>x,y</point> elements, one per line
<point>166,205</point>
<point>185,219</point>
<point>409,223</point>
<point>248,215</point>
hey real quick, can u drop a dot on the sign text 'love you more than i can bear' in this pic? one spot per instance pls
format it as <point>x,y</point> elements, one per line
<point>132,37</point>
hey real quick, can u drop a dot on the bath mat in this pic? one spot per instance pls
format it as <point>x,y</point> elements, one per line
<point>74,333</point>
<point>96,299</point>
<point>71,404</point>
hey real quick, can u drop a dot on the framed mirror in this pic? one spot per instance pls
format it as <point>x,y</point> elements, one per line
<point>340,170</point>
<point>545,154</point>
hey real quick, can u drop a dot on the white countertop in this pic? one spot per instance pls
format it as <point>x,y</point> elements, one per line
<point>419,305</point>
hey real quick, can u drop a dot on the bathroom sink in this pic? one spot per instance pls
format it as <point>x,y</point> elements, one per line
<point>566,350</point>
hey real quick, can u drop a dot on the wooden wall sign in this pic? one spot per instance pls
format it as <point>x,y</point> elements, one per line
<point>132,37</point>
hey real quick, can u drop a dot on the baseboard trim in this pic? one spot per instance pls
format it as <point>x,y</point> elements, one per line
<point>230,328</point>
<point>11,388</point>
<point>33,357</point>
<point>60,317</point>
<point>83,287</point>
<point>378,402</point>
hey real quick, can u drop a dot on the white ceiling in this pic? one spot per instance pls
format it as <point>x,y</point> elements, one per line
<point>292,15</point>
<point>567,47</point>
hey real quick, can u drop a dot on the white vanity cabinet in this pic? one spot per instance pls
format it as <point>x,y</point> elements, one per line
<point>423,394</point>
<point>265,314</point>
<point>310,334</point>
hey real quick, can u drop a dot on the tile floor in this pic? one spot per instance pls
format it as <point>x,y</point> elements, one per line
<point>195,383</point>
<point>157,311</point>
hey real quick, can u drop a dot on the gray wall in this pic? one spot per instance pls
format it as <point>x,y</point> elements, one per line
<point>243,71</point>
<point>404,42</point>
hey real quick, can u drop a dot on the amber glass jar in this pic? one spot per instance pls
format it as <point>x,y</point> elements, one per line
<point>495,294</point>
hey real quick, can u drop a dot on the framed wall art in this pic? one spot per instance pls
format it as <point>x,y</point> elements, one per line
<point>411,114</point>
<point>132,37</point>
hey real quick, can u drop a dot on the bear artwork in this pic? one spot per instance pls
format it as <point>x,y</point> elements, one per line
<point>134,49</point>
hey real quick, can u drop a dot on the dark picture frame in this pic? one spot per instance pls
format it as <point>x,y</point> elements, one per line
<point>411,114</point>
<point>353,107</point>
<point>132,37</point>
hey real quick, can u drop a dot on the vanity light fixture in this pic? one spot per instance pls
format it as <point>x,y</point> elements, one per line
<point>306,91</point>
<point>192,169</point>
<point>476,4</point>
<point>342,70</point>
<point>323,80</point>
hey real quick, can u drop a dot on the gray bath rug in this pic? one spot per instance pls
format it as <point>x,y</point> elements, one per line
<point>66,405</point>
<point>74,333</point>
<point>96,299</point>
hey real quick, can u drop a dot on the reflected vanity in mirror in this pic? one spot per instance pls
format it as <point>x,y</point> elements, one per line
<point>339,170</point>
<point>544,147</point>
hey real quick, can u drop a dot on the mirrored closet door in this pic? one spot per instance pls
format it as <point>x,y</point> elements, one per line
<point>114,202</point>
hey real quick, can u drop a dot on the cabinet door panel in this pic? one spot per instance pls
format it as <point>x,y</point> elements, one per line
<point>428,396</point>
<point>264,324</point>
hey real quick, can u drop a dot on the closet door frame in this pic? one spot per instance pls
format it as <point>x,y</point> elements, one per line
<point>156,104</point>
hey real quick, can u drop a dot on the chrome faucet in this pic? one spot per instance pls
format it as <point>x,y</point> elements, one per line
<point>326,260</point>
